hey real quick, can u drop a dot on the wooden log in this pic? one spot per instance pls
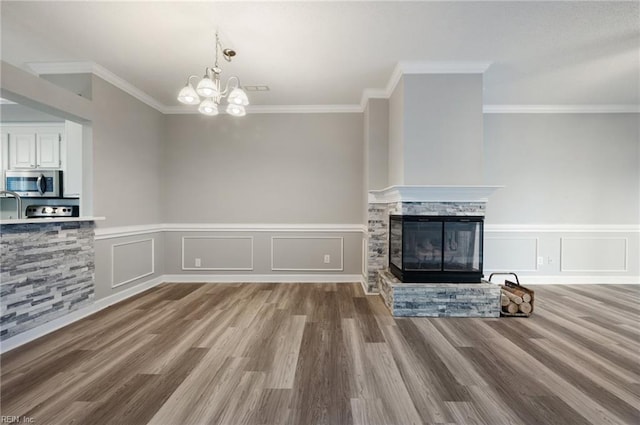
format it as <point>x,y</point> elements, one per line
<point>512,297</point>
<point>526,297</point>
<point>525,308</point>
<point>512,308</point>
<point>504,300</point>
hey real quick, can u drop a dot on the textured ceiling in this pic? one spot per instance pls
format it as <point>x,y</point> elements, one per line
<point>327,53</point>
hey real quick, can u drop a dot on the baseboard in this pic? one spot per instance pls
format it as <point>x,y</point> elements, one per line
<point>263,278</point>
<point>60,322</point>
<point>363,282</point>
<point>577,280</point>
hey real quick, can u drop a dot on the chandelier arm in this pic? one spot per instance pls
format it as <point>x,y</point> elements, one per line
<point>226,87</point>
<point>209,89</point>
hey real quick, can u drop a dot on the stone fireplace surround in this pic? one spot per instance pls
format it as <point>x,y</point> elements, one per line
<point>436,299</point>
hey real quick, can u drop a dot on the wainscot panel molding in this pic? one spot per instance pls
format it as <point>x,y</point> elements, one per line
<point>594,254</point>
<point>116,232</point>
<point>299,240</point>
<point>563,228</point>
<point>222,251</point>
<point>125,251</point>
<point>522,253</point>
<point>564,254</point>
<point>261,227</point>
<point>124,231</point>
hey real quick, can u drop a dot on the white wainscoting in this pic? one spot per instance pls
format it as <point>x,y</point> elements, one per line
<point>123,269</point>
<point>305,253</point>
<point>594,254</point>
<point>516,254</point>
<point>569,254</point>
<point>227,253</point>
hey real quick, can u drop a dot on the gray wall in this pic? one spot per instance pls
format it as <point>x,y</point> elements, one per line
<point>443,129</point>
<point>563,168</point>
<point>127,149</point>
<point>20,113</point>
<point>396,135</point>
<point>79,84</point>
<point>568,178</point>
<point>377,143</point>
<point>263,168</point>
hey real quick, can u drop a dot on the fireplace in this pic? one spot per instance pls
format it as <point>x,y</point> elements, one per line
<point>436,249</point>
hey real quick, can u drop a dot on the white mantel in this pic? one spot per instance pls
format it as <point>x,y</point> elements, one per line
<point>439,193</point>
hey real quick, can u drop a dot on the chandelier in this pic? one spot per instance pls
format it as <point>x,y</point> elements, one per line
<point>208,92</point>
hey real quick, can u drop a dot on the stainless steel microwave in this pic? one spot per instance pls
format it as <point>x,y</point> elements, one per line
<point>35,183</point>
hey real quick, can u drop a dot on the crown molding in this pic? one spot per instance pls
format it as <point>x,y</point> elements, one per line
<point>401,68</point>
<point>44,68</point>
<point>422,67</point>
<point>303,109</point>
<point>561,109</point>
<point>415,68</point>
<point>275,109</point>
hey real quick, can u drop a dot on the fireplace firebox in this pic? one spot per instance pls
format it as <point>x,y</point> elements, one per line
<point>436,249</point>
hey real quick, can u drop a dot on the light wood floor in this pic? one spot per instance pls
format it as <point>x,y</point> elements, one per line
<point>304,354</point>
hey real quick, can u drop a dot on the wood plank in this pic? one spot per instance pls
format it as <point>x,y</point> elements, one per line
<point>321,385</point>
<point>258,354</point>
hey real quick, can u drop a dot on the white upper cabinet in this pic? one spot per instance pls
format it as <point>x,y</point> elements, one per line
<point>48,150</point>
<point>22,150</point>
<point>34,147</point>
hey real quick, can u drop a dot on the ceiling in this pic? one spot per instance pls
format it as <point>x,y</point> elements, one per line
<point>328,53</point>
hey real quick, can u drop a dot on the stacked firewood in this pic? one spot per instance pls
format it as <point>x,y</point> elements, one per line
<point>516,301</point>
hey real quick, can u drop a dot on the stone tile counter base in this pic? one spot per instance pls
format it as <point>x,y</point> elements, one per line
<point>46,271</point>
<point>439,299</point>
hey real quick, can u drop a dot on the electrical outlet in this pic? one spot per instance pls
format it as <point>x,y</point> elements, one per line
<point>327,258</point>
<point>198,262</point>
<point>550,260</point>
<point>540,261</point>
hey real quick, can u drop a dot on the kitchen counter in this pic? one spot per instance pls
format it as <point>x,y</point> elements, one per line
<point>49,220</point>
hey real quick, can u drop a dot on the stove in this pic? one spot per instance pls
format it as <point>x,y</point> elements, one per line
<point>51,211</point>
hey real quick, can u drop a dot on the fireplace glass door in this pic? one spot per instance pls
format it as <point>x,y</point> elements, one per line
<point>462,248</point>
<point>422,246</point>
<point>436,248</point>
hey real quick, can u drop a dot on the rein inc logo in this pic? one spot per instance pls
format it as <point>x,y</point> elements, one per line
<point>16,420</point>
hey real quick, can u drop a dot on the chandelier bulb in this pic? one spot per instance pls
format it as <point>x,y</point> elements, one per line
<point>210,89</point>
<point>208,107</point>
<point>188,95</point>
